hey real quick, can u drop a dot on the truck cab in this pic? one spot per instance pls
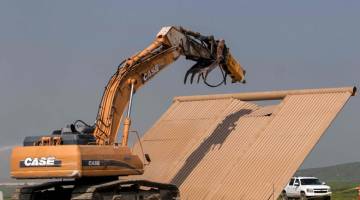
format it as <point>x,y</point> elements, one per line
<point>306,188</point>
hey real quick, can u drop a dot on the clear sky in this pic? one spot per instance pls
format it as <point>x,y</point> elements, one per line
<point>57,56</point>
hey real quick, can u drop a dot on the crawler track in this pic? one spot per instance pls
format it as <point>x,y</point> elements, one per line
<point>114,190</point>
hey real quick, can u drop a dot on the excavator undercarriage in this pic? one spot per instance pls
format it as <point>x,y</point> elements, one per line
<point>99,190</point>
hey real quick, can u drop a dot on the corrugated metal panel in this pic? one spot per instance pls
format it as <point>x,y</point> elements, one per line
<point>212,159</point>
<point>230,149</point>
<point>282,146</point>
<point>173,136</point>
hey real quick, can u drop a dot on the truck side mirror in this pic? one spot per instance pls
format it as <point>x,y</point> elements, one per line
<point>323,183</point>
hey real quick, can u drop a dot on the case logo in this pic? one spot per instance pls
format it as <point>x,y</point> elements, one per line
<point>40,162</point>
<point>151,72</point>
<point>93,163</point>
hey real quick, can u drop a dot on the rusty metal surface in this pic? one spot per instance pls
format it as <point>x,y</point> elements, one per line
<point>225,148</point>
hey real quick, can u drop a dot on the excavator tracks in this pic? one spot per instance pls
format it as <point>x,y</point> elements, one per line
<point>51,190</point>
<point>114,190</point>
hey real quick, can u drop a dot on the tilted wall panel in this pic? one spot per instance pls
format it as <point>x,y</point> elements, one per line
<point>225,148</point>
<point>282,147</point>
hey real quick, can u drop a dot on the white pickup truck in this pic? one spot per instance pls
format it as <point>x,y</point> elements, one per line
<point>306,188</point>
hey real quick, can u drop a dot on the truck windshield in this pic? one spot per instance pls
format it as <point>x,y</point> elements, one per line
<point>310,181</point>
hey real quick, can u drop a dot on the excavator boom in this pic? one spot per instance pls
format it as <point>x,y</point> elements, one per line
<point>170,43</point>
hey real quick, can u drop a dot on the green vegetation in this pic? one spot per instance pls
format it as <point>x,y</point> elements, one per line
<point>344,190</point>
<point>7,191</point>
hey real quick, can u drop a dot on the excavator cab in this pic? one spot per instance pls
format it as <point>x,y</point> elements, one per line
<point>77,133</point>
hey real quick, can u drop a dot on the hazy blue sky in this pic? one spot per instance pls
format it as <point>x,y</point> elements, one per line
<point>57,56</point>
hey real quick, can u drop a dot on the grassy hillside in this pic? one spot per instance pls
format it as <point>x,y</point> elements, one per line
<point>7,191</point>
<point>349,172</point>
<point>344,190</point>
<point>343,179</point>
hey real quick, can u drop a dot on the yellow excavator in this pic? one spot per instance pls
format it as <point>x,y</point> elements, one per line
<point>86,161</point>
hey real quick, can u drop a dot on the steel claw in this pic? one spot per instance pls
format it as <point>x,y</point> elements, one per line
<point>202,69</point>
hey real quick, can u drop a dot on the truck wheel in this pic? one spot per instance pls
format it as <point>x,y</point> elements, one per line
<point>303,196</point>
<point>283,196</point>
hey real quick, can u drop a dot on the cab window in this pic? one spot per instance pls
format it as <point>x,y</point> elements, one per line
<point>296,182</point>
<point>291,181</point>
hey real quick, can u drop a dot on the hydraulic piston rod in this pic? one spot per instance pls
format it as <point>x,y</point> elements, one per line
<point>127,122</point>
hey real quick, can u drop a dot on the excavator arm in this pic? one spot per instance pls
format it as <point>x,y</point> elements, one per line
<point>170,43</point>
